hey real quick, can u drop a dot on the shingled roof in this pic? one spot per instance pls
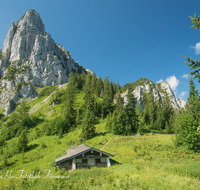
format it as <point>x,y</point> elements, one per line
<point>77,150</point>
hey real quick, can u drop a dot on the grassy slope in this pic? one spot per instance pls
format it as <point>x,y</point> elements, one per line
<point>146,162</point>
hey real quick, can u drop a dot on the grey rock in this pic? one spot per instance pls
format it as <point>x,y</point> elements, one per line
<point>157,93</point>
<point>35,58</point>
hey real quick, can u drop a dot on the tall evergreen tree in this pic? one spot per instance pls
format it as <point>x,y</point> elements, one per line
<point>88,128</point>
<point>69,113</point>
<point>89,96</point>
<point>131,116</point>
<point>107,95</point>
<point>188,122</point>
<point>93,83</point>
<point>117,119</point>
<point>23,115</point>
<point>193,103</point>
<point>23,141</point>
<point>159,123</point>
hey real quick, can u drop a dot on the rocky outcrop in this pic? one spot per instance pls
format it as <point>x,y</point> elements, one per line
<point>30,57</point>
<point>158,91</point>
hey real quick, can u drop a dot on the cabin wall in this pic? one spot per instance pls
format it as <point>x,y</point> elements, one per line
<point>66,164</point>
<point>103,159</point>
<point>79,160</point>
<point>91,161</point>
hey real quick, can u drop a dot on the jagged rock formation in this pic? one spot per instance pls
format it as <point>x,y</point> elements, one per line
<point>145,85</point>
<point>30,57</point>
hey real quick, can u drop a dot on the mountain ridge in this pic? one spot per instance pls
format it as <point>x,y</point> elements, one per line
<point>30,58</point>
<point>145,85</point>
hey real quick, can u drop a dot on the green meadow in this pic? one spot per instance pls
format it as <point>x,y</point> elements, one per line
<point>149,161</point>
<point>145,162</point>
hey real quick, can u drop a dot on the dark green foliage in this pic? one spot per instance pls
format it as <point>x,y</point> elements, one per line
<point>69,114</point>
<point>107,96</point>
<point>78,118</point>
<point>23,141</point>
<point>88,128</point>
<point>188,122</point>
<point>124,118</point>
<point>89,95</point>
<point>60,135</point>
<point>188,135</point>
<point>131,118</point>
<point>193,105</point>
<point>16,123</point>
<point>99,87</point>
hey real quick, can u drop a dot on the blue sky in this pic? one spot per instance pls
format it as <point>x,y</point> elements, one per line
<point>123,39</point>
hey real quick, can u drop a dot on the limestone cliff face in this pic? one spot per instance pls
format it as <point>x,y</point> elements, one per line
<point>30,57</point>
<point>146,85</point>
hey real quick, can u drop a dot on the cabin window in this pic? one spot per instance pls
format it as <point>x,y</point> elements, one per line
<point>98,160</point>
<point>84,161</point>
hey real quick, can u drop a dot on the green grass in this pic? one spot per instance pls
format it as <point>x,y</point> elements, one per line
<point>146,162</point>
<point>150,161</point>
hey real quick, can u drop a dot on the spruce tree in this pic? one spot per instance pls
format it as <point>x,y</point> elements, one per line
<point>159,123</point>
<point>188,122</point>
<point>131,118</point>
<point>23,114</point>
<point>193,103</point>
<point>68,117</point>
<point>88,128</point>
<point>107,95</point>
<point>89,95</point>
<point>23,141</point>
<point>117,122</point>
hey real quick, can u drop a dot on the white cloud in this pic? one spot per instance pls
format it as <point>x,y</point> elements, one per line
<point>161,80</point>
<point>173,81</point>
<point>197,48</point>
<point>183,93</point>
<point>185,76</point>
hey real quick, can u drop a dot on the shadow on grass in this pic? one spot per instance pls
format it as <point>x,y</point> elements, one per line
<point>100,134</point>
<point>114,162</point>
<point>32,146</point>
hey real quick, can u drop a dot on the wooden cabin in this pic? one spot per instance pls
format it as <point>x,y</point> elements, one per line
<point>83,156</point>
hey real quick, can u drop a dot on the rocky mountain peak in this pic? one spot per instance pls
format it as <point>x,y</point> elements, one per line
<point>144,85</point>
<point>30,57</point>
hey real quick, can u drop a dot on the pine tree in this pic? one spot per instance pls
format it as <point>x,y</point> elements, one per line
<point>93,83</point>
<point>159,123</point>
<point>193,103</point>
<point>117,122</point>
<point>188,122</point>
<point>167,107</point>
<point>23,115</point>
<point>68,116</point>
<point>78,118</point>
<point>23,141</point>
<point>107,95</point>
<point>89,95</point>
<point>130,113</point>
<point>88,128</point>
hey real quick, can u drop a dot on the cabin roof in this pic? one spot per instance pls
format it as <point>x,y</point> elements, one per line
<point>77,150</point>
